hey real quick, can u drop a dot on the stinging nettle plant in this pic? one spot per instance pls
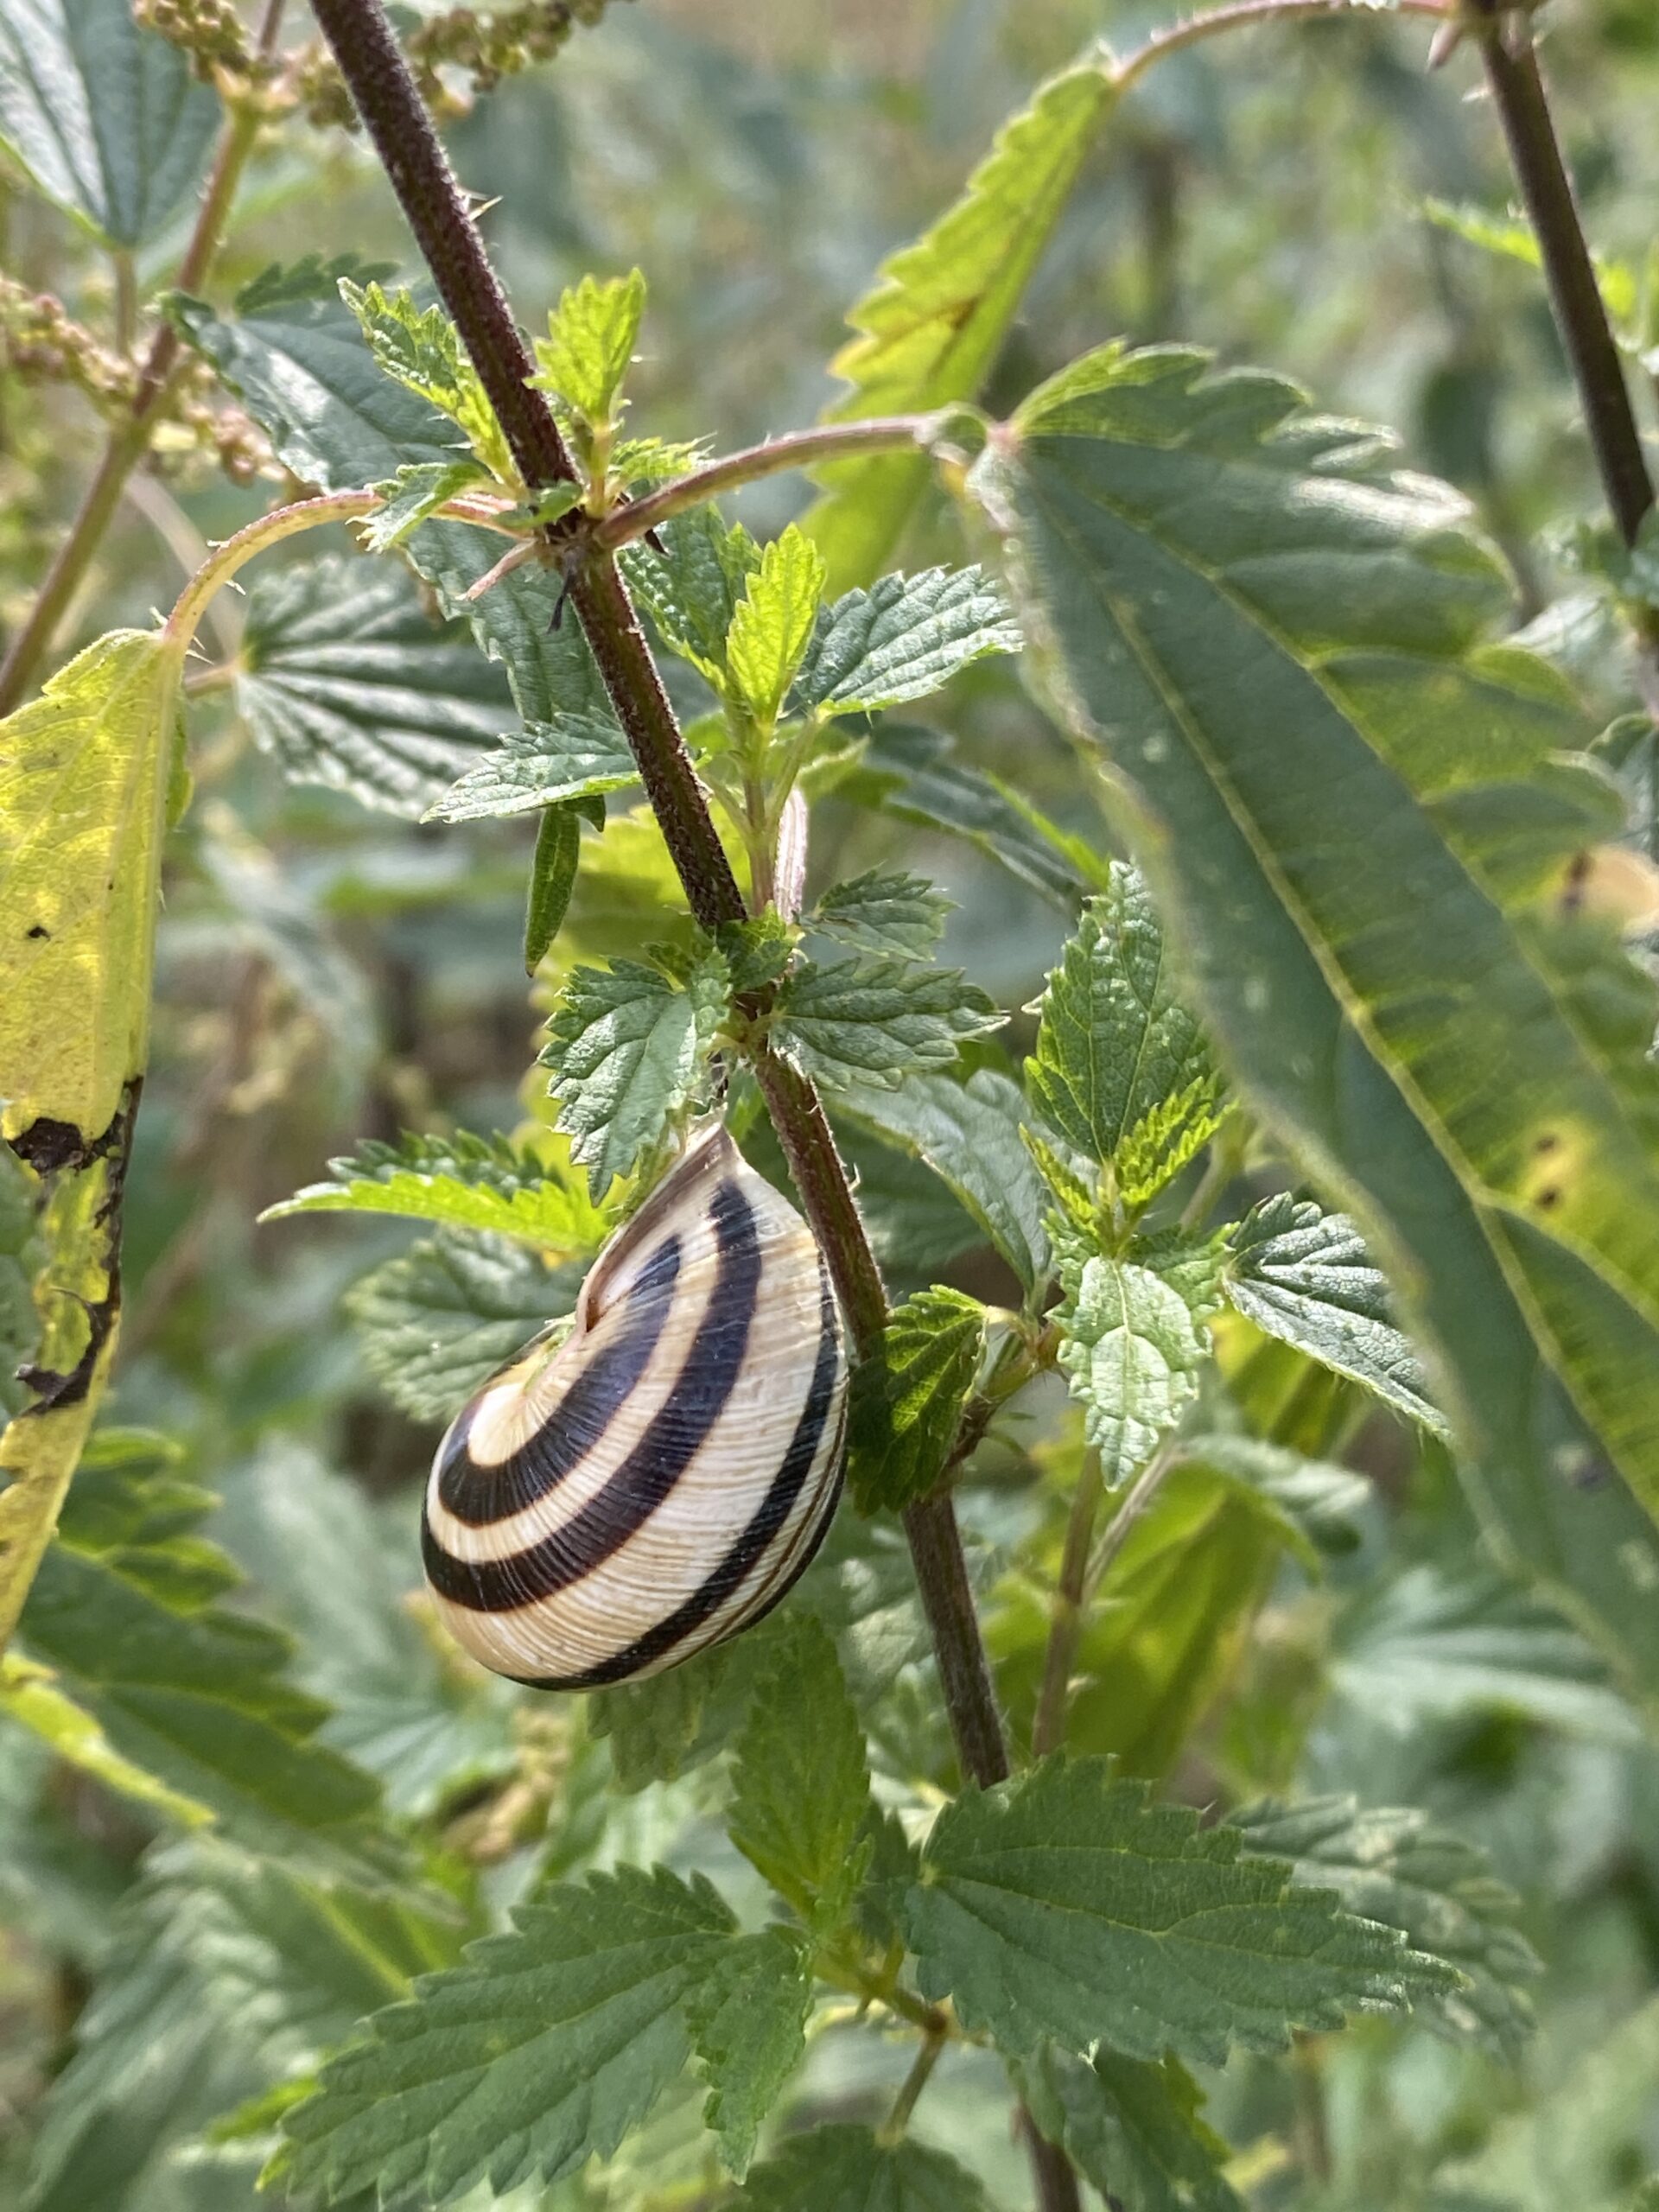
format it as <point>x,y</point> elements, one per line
<point>1334,1137</point>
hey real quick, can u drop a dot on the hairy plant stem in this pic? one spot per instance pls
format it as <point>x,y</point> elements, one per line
<point>1522,105</point>
<point>1242,13</point>
<point>915,2082</point>
<point>361,40</point>
<point>129,440</point>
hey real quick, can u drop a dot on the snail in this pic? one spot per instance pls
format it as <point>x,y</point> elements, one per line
<point>656,1480</point>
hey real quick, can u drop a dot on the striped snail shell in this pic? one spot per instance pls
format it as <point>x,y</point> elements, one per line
<point>607,1505</point>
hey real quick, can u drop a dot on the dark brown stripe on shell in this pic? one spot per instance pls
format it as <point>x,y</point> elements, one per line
<point>620,1508</point>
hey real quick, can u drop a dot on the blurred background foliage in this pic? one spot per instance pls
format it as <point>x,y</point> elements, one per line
<point>327,972</point>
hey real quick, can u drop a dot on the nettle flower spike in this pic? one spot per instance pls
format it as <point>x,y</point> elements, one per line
<point>658,1478</point>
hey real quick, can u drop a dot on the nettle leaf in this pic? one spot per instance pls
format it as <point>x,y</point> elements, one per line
<point>1134,2129</point>
<point>420,349</point>
<point>748,2016</point>
<point>801,1781</point>
<point>589,345</point>
<point>123,1611</point>
<point>1279,645</point>
<point>418,490</point>
<point>552,880</point>
<point>108,118</point>
<point>1396,1866</point>
<point>1068,1905</point>
<point>626,1046</point>
<point>549,763</point>
<point>435,1323</point>
<point>905,637</point>
<point>840,2168</point>
<point>968,1135</point>
<point>930,330</point>
<point>908,772</point>
<point>463,1181</point>
<point>875,1019</point>
<point>692,582</point>
<point>1319,1500</point>
<point>1121,1070</point>
<point>345,679</point>
<point>541,2050</point>
<point>773,624</point>
<point>292,352</point>
<point>882,910</point>
<point>23,1252</point>
<point>909,1397</point>
<point>230,1975</point>
<point>1135,1353</point>
<point>1304,1275</point>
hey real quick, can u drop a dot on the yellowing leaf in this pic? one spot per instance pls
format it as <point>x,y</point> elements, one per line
<point>83,790</point>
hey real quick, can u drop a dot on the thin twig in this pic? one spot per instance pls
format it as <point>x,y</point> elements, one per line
<point>1136,1499</point>
<point>1244,13</point>
<point>915,2082</point>
<point>1065,1627</point>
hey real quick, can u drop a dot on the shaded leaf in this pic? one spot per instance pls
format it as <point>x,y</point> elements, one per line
<point>1134,2129</point>
<point>875,1019</point>
<point>881,911</point>
<point>552,879</point>
<point>549,763</point>
<point>692,582</point>
<point>747,2017</point>
<point>908,1398</point>
<point>837,2168</point>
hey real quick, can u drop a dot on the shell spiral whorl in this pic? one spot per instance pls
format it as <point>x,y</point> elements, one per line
<point>603,1510</point>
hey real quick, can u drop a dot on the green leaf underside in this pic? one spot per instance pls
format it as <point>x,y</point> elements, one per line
<point>1304,1275</point>
<point>108,118</point>
<point>545,2047</point>
<point>552,880</point>
<point>1135,1353</point>
<point>124,1611</point>
<point>1276,644</point>
<point>801,1784</point>
<point>578,757</point>
<point>1120,1069</point>
<point>1134,2130</point>
<point>930,330</point>
<point>968,1134</point>
<point>1393,1865</point>
<point>881,911</point>
<point>346,680</point>
<point>747,2017</point>
<point>905,637</point>
<point>874,1019</point>
<point>841,2168</point>
<point>463,1182</point>
<point>435,1323</point>
<point>909,1398</point>
<point>1068,1906</point>
<point>626,1047</point>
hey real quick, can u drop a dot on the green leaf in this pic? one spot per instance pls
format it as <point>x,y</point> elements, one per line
<point>747,2017</point>
<point>436,1324</point>
<point>292,352</point>
<point>418,490</point>
<point>909,1397</point>
<point>22,1253</point>
<point>1304,1275</point>
<point>1067,1905</point>
<point>905,637</point>
<point>552,879</point>
<point>463,1181</point>
<point>345,679</point>
<point>968,1135</point>
<point>908,772</point>
<point>590,341</point>
<point>1431,1646</point>
<point>839,2169</point>
<point>29,1695</point>
<point>420,349</point>
<point>1121,1070</point>
<point>1135,1354</point>
<point>930,330</point>
<point>541,2050</point>
<point>800,1781</point>
<point>1278,644</point>
<point>692,582</point>
<point>882,910</point>
<point>1396,1866</point>
<point>578,757</point>
<point>875,1020</point>
<point>1510,238</point>
<point>1319,1500</point>
<point>107,117</point>
<point>1134,2130</point>
<point>773,624</point>
<point>124,1612</point>
<point>231,1975</point>
<point>628,1046</point>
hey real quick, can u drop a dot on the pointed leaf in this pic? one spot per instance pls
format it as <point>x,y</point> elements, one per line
<point>881,911</point>
<point>908,1398</point>
<point>905,637</point>
<point>1133,2129</point>
<point>465,1182</point>
<point>590,341</point>
<point>692,582</point>
<point>552,879</point>
<point>420,349</point>
<point>773,624</point>
<point>837,2168</point>
<point>1135,1354</point>
<point>418,490</point>
<point>549,763</point>
<point>747,2018</point>
<point>875,1020</point>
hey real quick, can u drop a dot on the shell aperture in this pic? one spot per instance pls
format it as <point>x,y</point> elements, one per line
<point>610,1504</point>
